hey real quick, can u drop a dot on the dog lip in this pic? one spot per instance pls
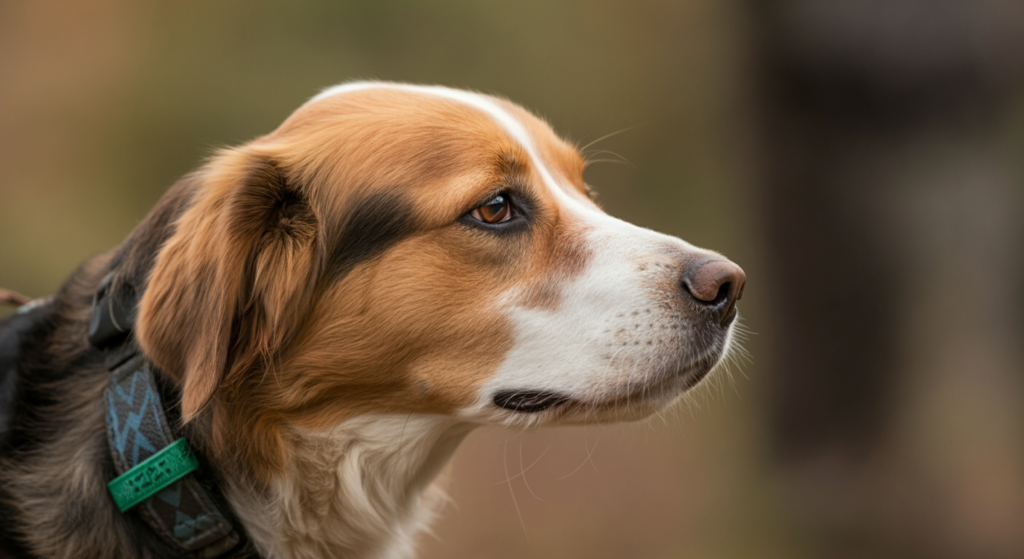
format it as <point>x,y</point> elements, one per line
<point>528,401</point>
<point>693,377</point>
<point>683,379</point>
<point>675,383</point>
<point>729,316</point>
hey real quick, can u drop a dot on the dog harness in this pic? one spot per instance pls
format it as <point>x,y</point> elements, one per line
<point>160,478</point>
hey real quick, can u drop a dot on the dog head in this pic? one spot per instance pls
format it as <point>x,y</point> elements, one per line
<point>407,249</point>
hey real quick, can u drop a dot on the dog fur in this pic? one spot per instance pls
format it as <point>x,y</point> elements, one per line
<point>334,319</point>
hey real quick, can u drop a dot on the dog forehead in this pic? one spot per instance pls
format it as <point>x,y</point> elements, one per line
<point>433,130</point>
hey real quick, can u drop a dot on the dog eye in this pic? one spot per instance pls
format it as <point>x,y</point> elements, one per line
<point>497,210</point>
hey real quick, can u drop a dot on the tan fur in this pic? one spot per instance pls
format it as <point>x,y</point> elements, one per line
<point>317,294</point>
<point>389,337</point>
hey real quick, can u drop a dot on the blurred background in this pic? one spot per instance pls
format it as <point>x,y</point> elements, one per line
<point>863,160</point>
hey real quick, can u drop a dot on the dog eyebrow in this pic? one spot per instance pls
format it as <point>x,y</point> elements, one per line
<point>374,224</point>
<point>508,164</point>
<point>513,174</point>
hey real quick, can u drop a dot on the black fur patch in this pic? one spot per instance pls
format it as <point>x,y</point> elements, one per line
<point>374,224</point>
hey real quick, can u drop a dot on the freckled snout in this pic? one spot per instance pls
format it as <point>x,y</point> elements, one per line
<point>715,285</point>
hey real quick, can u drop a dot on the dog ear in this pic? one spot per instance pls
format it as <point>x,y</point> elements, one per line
<point>230,285</point>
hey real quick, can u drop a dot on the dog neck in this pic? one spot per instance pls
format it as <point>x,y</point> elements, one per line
<point>361,489</point>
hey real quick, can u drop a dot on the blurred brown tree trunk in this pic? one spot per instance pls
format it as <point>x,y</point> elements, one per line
<point>892,206</point>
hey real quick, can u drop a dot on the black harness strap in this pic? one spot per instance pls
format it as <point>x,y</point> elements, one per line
<point>189,515</point>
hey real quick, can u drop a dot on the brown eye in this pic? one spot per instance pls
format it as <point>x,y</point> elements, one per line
<point>495,211</point>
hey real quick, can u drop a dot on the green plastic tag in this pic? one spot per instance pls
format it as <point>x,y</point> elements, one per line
<point>146,479</point>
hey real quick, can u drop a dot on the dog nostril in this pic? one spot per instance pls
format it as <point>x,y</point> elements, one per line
<point>723,292</point>
<point>715,285</point>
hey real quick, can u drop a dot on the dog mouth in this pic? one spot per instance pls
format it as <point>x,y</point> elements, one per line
<point>534,401</point>
<point>528,401</point>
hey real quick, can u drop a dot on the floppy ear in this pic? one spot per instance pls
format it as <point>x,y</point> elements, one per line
<point>230,284</point>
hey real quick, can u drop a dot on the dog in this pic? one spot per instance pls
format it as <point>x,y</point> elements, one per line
<point>323,314</point>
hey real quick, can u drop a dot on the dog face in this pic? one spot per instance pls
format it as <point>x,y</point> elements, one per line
<point>405,249</point>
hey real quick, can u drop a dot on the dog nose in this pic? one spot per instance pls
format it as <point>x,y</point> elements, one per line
<point>715,285</point>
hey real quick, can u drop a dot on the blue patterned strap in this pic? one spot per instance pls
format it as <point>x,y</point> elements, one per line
<point>182,513</point>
